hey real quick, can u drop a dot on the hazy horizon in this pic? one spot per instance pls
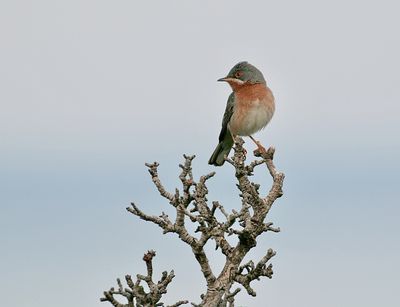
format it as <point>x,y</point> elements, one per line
<point>91,90</point>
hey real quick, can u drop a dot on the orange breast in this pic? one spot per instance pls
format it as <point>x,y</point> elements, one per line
<point>251,92</point>
<point>254,107</point>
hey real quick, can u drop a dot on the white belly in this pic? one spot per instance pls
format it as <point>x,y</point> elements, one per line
<point>256,118</point>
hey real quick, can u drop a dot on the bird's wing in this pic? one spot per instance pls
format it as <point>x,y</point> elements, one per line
<point>227,116</point>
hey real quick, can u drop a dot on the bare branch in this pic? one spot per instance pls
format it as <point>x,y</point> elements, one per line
<point>251,221</point>
<point>178,304</point>
<point>136,295</point>
<point>153,170</point>
<point>229,298</point>
<point>186,178</point>
<point>254,272</point>
<point>191,204</point>
<point>160,221</point>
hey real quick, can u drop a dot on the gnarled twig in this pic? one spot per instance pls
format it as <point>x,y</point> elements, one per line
<point>246,224</point>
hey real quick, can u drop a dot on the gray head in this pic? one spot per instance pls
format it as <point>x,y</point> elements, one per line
<point>244,72</point>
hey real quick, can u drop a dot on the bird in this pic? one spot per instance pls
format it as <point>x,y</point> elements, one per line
<point>249,109</point>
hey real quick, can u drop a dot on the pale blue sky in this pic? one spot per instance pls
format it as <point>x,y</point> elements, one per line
<point>93,89</point>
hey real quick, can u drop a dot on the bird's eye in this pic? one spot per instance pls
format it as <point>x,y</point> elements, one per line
<point>238,74</point>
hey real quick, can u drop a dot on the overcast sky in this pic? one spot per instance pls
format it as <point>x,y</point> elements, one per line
<point>90,90</point>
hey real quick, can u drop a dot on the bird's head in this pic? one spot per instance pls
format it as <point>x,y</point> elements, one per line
<point>243,73</point>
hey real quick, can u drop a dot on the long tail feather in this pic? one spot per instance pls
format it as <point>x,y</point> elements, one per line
<point>221,151</point>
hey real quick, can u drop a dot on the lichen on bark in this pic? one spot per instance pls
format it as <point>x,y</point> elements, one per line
<point>247,224</point>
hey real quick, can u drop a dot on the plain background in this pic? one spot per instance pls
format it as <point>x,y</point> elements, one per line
<point>90,90</point>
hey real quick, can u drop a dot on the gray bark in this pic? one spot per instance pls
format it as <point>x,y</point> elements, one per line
<point>247,224</point>
<point>135,295</point>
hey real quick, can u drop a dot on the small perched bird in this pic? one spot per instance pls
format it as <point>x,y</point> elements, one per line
<point>249,109</point>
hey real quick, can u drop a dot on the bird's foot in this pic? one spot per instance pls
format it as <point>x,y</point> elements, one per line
<point>260,148</point>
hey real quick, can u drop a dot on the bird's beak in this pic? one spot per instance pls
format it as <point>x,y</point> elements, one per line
<point>223,79</point>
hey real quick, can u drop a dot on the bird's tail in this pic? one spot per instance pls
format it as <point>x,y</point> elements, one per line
<point>221,151</point>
